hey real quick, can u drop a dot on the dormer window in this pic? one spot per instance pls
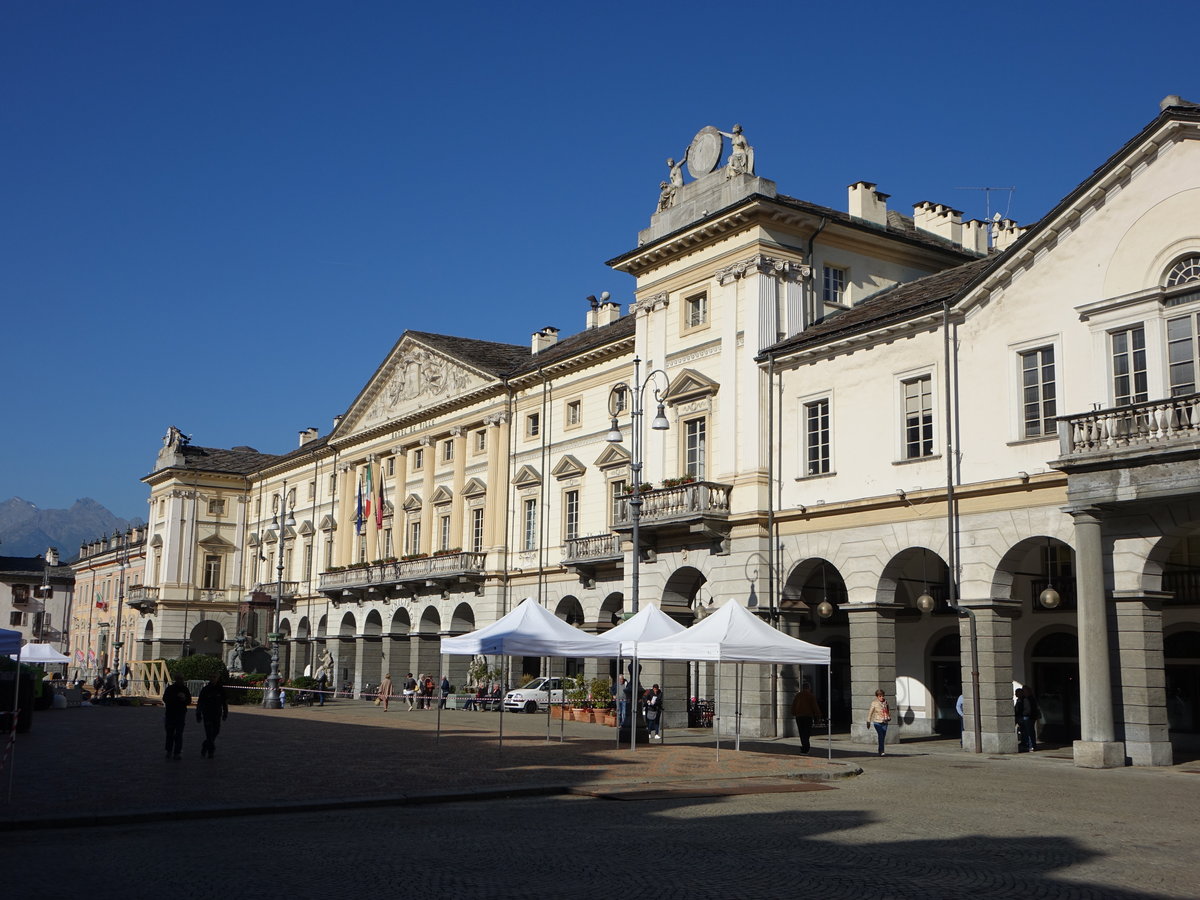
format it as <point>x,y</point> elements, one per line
<point>1184,271</point>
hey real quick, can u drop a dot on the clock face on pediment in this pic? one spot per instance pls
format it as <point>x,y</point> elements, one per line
<point>413,378</point>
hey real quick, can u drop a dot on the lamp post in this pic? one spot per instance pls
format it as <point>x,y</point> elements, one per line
<point>636,403</point>
<point>284,519</point>
<point>122,559</point>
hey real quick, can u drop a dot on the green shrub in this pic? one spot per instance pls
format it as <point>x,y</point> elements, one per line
<point>198,668</point>
<point>601,691</point>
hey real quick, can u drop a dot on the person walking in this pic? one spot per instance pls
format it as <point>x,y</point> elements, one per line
<point>410,690</point>
<point>1026,712</point>
<point>654,711</point>
<point>445,686</point>
<point>212,709</point>
<point>176,700</point>
<point>620,694</point>
<point>427,692</point>
<point>385,691</point>
<point>322,686</point>
<point>878,717</point>
<point>805,709</point>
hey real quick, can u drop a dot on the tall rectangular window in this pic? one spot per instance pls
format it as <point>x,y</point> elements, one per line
<point>477,530</point>
<point>695,310</point>
<point>1129,366</point>
<point>571,515</point>
<point>574,412</point>
<point>212,572</point>
<point>414,537</point>
<point>391,465</point>
<point>530,542</point>
<point>308,560</point>
<point>1039,401</point>
<point>1181,355</point>
<point>418,458</point>
<point>833,285</point>
<point>918,417</point>
<point>816,437</point>
<point>695,447</point>
<point>444,533</point>
<point>480,440</point>
<point>617,493</point>
<point>533,424</point>
<point>362,547</point>
<point>447,450</point>
<point>388,550</point>
<point>329,552</point>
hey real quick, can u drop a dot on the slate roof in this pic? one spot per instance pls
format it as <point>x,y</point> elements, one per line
<point>488,356</point>
<point>894,304</point>
<point>576,343</point>
<point>241,461</point>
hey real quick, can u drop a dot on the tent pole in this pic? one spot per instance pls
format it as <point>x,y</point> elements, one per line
<point>562,707</point>
<point>829,707</point>
<point>502,693</point>
<point>737,713</point>
<point>634,697</point>
<point>717,712</point>
<point>437,740</point>
<point>619,697</point>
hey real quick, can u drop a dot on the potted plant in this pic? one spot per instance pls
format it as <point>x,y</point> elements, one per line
<point>577,696</point>
<point>603,712</point>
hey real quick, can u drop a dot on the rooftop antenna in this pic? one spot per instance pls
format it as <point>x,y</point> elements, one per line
<point>987,198</point>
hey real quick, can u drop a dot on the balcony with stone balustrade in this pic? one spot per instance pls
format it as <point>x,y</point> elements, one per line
<point>438,571</point>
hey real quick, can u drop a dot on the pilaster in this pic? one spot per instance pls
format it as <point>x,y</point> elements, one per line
<point>872,665</point>
<point>1141,682</point>
<point>993,648</point>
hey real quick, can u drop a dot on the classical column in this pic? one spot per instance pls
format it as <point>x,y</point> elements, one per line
<point>1142,683</point>
<point>345,536</point>
<point>872,665</point>
<point>1098,749</point>
<point>993,625</point>
<point>497,484</point>
<point>427,541</point>
<point>459,479</point>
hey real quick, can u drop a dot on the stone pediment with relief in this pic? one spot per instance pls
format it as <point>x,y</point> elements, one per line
<point>412,378</point>
<point>690,385</point>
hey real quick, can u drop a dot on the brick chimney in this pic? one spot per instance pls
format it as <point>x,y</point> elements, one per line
<point>868,204</point>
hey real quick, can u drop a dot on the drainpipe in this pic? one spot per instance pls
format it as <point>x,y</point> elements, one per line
<point>952,537</point>
<point>812,266</point>
<point>506,591</point>
<point>771,538</point>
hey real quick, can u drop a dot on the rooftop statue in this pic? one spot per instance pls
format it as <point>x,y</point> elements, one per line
<point>741,154</point>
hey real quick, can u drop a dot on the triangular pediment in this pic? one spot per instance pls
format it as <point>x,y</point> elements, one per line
<point>474,488</point>
<point>612,456</point>
<point>568,466</point>
<point>526,476</point>
<point>215,542</point>
<point>252,540</point>
<point>156,541</point>
<point>442,495</point>
<point>411,502</point>
<point>690,385</point>
<point>412,377</point>
<point>328,523</point>
<point>306,528</point>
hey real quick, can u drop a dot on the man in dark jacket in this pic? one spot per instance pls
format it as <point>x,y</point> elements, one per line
<point>211,709</point>
<point>1026,712</point>
<point>176,699</point>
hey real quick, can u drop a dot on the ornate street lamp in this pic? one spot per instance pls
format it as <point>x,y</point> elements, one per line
<point>636,399</point>
<point>636,395</point>
<point>284,519</point>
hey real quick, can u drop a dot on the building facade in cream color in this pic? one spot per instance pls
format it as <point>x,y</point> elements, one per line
<point>105,623</point>
<point>817,413</point>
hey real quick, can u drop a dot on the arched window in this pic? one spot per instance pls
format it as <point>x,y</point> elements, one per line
<point>1183,271</point>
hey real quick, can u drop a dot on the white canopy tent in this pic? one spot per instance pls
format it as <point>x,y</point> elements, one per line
<point>39,653</point>
<point>649,624</point>
<point>528,630</point>
<point>733,634</point>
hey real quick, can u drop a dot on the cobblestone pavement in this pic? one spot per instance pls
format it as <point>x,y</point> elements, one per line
<point>927,821</point>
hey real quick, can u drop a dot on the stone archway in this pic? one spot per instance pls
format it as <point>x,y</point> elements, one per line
<point>206,638</point>
<point>371,647</point>
<point>429,644</point>
<point>347,654</point>
<point>398,647</point>
<point>1181,650</point>
<point>811,583</point>
<point>1054,664</point>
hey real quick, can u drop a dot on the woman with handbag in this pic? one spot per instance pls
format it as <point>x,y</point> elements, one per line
<point>879,716</point>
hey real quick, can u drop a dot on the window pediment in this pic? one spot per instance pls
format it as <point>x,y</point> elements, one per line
<point>612,456</point>
<point>215,542</point>
<point>412,502</point>
<point>328,523</point>
<point>567,467</point>
<point>690,385</point>
<point>527,476</point>
<point>474,488</point>
<point>306,528</point>
<point>442,495</point>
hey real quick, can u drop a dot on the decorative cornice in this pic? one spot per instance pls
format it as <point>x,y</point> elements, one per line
<point>649,304</point>
<point>763,265</point>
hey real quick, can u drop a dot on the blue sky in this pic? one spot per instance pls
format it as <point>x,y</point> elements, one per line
<point>221,216</point>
